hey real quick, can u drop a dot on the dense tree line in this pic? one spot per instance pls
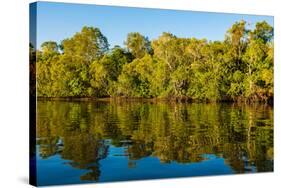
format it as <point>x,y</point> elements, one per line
<point>239,68</point>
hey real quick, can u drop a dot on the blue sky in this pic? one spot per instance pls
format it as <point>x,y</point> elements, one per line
<point>57,21</point>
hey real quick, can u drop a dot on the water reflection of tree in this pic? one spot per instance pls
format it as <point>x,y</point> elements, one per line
<point>80,146</point>
<point>84,151</point>
<point>243,135</point>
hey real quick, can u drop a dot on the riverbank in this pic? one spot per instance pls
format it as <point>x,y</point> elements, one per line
<point>133,99</point>
<point>153,100</point>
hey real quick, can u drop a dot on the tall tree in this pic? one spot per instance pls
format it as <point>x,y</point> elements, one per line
<point>137,44</point>
<point>45,60</point>
<point>89,44</point>
<point>263,31</point>
<point>50,47</point>
<point>79,52</point>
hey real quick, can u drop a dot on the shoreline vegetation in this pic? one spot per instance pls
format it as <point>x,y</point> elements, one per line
<point>150,100</point>
<point>169,68</point>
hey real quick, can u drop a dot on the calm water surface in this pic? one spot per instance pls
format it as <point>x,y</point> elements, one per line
<point>82,142</point>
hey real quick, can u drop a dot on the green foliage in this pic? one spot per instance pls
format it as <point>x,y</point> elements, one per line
<point>49,47</point>
<point>240,68</point>
<point>263,31</point>
<point>105,71</point>
<point>137,44</point>
<point>89,44</point>
<point>170,49</point>
<point>67,74</point>
<point>99,79</point>
<point>135,79</point>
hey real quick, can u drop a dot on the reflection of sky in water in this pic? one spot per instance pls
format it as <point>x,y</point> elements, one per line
<point>89,142</point>
<point>115,167</point>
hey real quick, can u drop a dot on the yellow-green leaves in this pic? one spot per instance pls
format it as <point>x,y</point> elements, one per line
<point>238,68</point>
<point>137,44</point>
